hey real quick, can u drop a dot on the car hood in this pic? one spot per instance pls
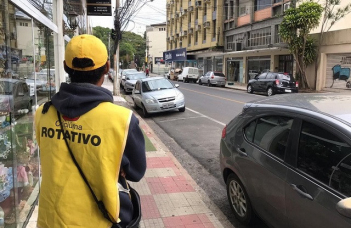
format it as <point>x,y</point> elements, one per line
<point>163,93</point>
<point>131,81</point>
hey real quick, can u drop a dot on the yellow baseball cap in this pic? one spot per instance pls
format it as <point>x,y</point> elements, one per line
<point>86,46</point>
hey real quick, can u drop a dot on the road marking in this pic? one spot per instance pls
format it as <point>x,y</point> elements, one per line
<point>202,115</point>
<point>240,102</point>
<point>169,120</point>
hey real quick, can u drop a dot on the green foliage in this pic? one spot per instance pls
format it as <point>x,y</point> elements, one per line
<point>103,34</point>
<point>295,28</point>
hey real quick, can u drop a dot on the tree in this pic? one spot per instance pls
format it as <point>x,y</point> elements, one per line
<point>332,14</point>
<point>138,44</point>
<point>295,28</point>
<point>103,34</point>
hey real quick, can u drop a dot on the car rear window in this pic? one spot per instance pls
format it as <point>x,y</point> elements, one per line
<point>286,77</point>
<point>219,74</point>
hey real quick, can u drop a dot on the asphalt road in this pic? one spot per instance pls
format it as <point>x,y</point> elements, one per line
<point>194,136</point>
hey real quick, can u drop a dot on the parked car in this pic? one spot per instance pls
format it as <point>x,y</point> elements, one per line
<point>189,74</point>
<point>213,78</point>
<point>123,74</point>
<point>287,159</point>
<point>130,79</point>
<point>273,83</point>
<point>15,96</point>
<point>157,94</point>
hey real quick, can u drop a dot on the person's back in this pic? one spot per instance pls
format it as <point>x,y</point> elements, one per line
<point>104,138</point>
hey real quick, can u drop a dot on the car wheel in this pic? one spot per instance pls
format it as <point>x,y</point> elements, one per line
<point>30,106</point>
<point>200,83</point>
<point>249,89</point>
<point>239,200</point>
<point>270,91</point>
<point>135,106</point>
<point>145,113</point>
<point>208,83</point>
<point>348,84</point>
<point>182,109</point>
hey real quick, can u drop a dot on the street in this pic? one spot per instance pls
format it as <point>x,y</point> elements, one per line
<point>194,136</point>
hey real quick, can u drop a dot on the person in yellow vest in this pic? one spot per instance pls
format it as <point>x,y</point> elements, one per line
<point>105,138</point>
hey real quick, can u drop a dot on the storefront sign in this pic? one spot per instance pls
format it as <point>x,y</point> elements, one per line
<point>99,8</point>
<point>175,55</point>
<point>159,60</point>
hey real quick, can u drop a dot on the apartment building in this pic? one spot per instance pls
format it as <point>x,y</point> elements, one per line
<point>195,34</point>
<point>251,41</point>
<point>155,45</point>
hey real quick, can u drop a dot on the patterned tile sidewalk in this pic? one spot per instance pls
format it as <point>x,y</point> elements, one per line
<point>170,197</point>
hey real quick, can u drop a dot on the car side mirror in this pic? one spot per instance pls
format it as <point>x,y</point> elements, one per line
<point>127,78</point>
<point>176,85</point>
<point>136,91</point>
<point>344,207</point>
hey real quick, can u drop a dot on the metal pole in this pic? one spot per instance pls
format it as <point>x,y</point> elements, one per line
<point>116,80</point>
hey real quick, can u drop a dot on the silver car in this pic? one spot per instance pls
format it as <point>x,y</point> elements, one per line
<point>213,78</point>
<point>157,94</point>
<point>287,159</point>
<point>128,82</point>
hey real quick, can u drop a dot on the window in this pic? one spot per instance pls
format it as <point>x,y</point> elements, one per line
<point>260,37</point>
<point>242,10</point>
<point>262,76</point>
<point>161,29</point>
<point>272,133</point>
<point>230,42</point>
<point>214,29</point>
<point>271,76</point>
<point>204,35</point>
<point>24,24</point>
<point>325,157</point>
<point>250,130</point>
<point>235,42</point>
<point>261,4</point>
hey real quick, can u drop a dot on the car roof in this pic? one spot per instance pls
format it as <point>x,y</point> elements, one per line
<point>9,80</point>
<point>151,79</point>
<point>336,105</point>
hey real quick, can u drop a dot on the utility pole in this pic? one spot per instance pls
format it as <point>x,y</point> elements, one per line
<point>116,80</point>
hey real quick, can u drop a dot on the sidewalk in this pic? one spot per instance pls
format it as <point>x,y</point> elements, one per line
<point>170,198</point>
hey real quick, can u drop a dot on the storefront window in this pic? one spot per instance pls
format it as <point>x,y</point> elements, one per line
<point>20,57</point>
<point>218,64</point>
<point>235,70</point>
<point>208,64</point>
<point>200,65</point>
<point>257,65</point>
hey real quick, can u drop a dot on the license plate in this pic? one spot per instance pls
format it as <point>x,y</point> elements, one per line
<point>168,105</point>
<point>288,90</point>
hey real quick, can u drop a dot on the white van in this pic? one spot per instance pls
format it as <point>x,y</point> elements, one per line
<point>189,74</point>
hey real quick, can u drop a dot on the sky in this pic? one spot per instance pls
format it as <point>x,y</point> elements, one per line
<point>150,13</point>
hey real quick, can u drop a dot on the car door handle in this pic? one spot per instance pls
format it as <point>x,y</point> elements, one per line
<point>302,191</point>
<point>242,152</point>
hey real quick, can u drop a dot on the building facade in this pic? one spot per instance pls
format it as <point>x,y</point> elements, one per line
<point>155,45</point>
<point>251,39</point>
<point>196,27</point>
<point>31,69</point>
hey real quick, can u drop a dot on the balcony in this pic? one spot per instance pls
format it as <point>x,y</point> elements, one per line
<point>214,15</point>
<point>204,18</point>
<point>263,14</point>
<point>243,20</point>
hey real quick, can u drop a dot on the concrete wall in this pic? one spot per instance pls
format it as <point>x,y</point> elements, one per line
<point>336,42</point>
<point>157,43</point>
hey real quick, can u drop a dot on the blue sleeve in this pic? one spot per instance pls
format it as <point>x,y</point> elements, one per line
<point>134,157</point>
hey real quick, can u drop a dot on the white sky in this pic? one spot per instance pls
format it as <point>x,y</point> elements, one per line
<point>151,13</point>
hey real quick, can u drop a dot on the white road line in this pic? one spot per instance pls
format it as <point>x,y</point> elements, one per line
<point>169,120</point>
<point>202,115</point>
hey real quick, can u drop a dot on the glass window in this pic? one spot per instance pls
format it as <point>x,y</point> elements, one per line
<point>261,4</point>
<point>272,133</point>
<point>325,157</point>
<point>249,130</point>
<point>259,37</point>
<point>271,76</point>
<point>262,76</point>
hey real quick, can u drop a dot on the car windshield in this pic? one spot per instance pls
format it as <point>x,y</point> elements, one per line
<point>219,74</point>
<point>135,76</point>
<point>6,88</point>
<point>158,84</point>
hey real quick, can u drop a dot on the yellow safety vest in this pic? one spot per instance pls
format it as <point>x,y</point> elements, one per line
<point>97,140</point>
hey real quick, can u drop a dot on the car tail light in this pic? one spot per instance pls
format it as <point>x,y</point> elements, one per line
<point>297,84</point>
<point>212,77</point>
<point>224,132</point>
<point>276,81</point>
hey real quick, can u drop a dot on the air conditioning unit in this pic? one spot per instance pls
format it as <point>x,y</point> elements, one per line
<point>286,6</point>
<point>207,24</point>
<point>191,9</point>
<point>185,11</point>
<point>171,2</point>
<point>168,5</point>
<point>198,4</point>
<point>191,31</point>
<point>198,27</point>
<point>185,33</point>
<point>177,35</point>
<point>177,15</point>
<point>172,37</point>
